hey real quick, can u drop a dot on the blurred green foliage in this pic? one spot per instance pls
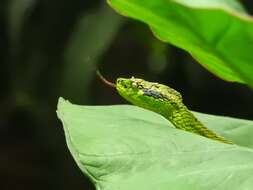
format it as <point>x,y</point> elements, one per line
<point>50,49</point>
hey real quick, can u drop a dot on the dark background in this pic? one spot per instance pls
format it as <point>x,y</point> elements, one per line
<point>52,48</point>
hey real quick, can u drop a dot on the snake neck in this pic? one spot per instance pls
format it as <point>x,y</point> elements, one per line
<point>183,119</point>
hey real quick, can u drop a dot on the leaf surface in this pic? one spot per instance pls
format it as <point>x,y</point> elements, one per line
<point>217,33</point>
<point>126,147</point>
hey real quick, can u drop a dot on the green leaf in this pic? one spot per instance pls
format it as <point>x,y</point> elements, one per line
<point>217,33</point>
<point>126,147</point>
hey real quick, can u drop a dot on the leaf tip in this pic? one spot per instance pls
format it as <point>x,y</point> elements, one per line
<point>60,105</point>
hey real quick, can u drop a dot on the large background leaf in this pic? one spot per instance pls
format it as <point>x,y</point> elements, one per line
<point>126,147</point>
<point>219,34</point>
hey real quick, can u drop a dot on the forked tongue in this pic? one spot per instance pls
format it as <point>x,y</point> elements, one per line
<point>105,80</point>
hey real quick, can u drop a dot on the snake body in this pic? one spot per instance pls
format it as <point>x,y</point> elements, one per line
<point>165,101</point>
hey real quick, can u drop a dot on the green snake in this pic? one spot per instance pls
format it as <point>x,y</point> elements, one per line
<point>163,100</point>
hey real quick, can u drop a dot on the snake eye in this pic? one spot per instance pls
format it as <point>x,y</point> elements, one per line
<point>140,86</point>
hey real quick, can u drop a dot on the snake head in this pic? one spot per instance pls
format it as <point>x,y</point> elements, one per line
<point>149,95</point>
